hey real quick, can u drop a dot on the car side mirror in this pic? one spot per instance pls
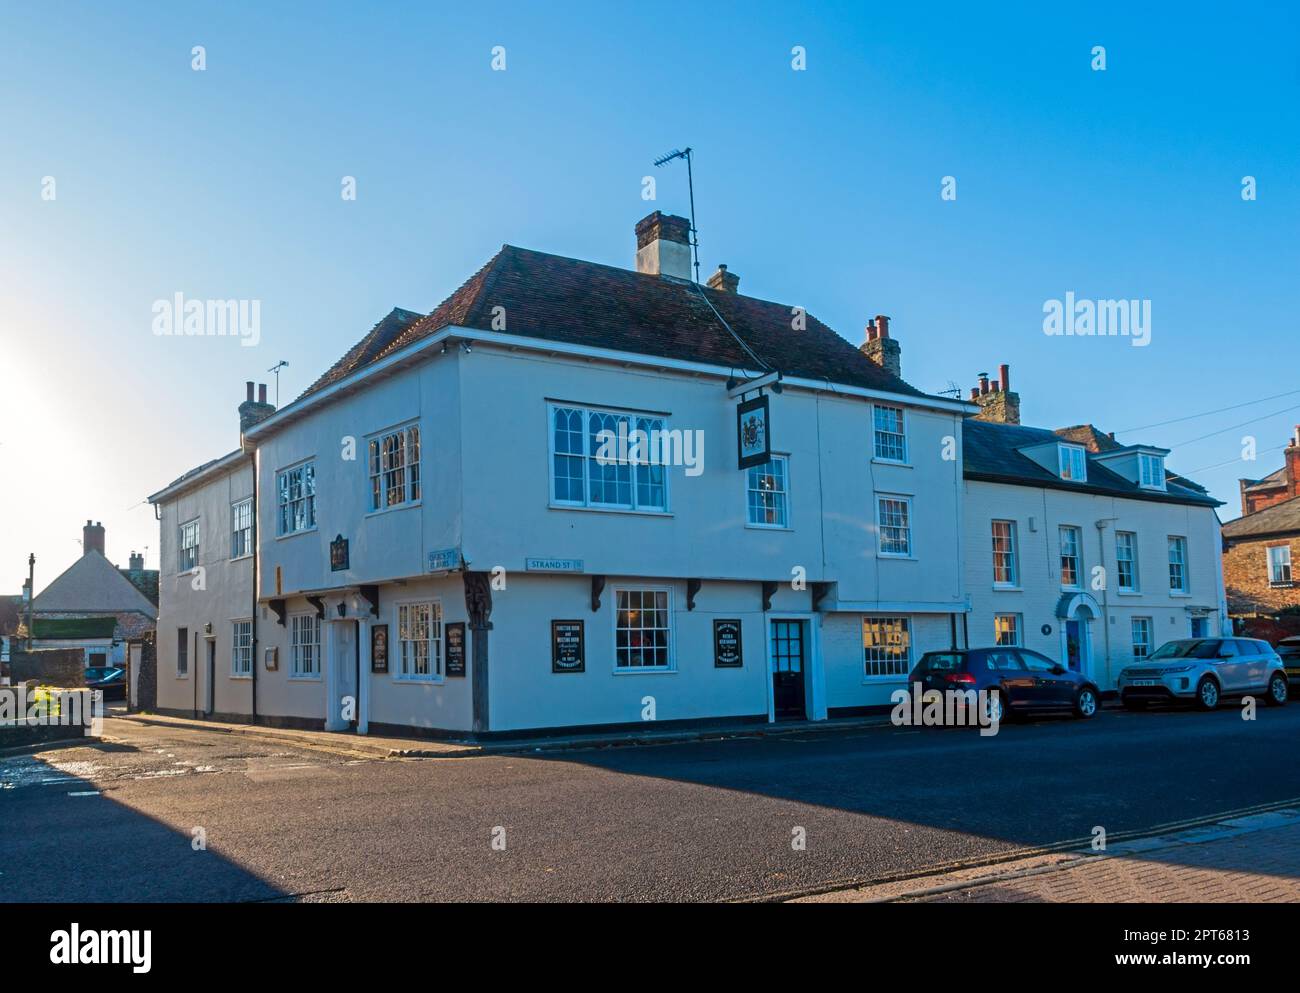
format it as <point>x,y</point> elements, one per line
<point>1058,669</point>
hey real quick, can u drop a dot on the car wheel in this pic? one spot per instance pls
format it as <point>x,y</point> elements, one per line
<point>994,711</point>
<point>1207,694</point>
<point>1085,702</point>
<point>1131,704</point>
<point>1277,690</point>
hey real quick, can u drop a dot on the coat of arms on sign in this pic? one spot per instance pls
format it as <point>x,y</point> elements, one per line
<point>753,439</point>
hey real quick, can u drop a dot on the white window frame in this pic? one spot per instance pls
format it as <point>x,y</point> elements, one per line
<point>781,496</point>
<point>906,503</point>
<point>658,422</point>
<point>1135,584</point>
<point>1067,457</point>
<point>1077,534</point>
<point>1281,576</point>
<point>670,628</point>
<point>1151,467</point>
<point>301,651</point>
<point>1016,627</point>
<point>1178,565</point>
<point>1012,582</point>
<point>880,655</point>
<point>241,538</point>
<point>187,555</point>
<point>435,643</point>
<point>309,499</point>
<point>379,489</point>
<point>892,439</point>
<point>241,649</point>
<point>1148,626</point>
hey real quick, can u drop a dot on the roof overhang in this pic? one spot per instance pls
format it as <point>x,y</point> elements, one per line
<point>217,468</point>
<point>421,350</point>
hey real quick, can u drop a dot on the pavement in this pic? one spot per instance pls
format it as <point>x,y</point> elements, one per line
<point>181,813</point>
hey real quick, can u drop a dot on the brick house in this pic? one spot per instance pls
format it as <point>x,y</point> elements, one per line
<point>1259,547</point>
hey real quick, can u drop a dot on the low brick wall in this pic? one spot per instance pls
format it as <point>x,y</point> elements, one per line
<point>51,667</point>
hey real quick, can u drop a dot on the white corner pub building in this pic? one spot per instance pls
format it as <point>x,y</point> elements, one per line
<point>432,540</point>
<point>575,496</point>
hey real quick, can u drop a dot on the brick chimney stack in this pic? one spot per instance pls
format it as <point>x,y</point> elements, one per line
<point>136,562</point>
<point>92,537</point>
<point>882,349</point>
<point>252,411</point>
<point>723,281</point>
<point>996,400</point>
<point>663,245</point>
<point>1292,455</point>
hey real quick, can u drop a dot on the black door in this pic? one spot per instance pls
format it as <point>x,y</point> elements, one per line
<point>787,670</point>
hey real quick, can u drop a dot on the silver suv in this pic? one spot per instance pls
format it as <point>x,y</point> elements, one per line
<point>1204,670</point>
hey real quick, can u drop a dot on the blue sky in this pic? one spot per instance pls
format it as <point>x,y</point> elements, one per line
<point>819,188</point>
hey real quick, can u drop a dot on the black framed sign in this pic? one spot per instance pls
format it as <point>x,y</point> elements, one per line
<point>339,554</point>
<point>379,648</point>
<point>753,439</point>
<point>727,652</point>
<point>568,647</point>
<point>456,649</point>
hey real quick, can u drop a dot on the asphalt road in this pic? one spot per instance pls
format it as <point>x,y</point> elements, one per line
<point>701,821</point>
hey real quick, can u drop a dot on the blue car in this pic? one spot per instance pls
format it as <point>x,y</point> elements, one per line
<point>1025,681</point>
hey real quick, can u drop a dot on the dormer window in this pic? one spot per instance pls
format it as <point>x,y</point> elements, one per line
<point>1074,463</point>
<point>1151,470</point>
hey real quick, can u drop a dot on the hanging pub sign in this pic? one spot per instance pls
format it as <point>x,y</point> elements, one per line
<point>339,554</point>
<point>456,649</point>
<point>379,648</point>
<point>753,440</point>
<point>727,652</point>
<point>568,650</point>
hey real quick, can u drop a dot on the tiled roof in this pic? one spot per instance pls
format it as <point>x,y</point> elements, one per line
<point>569,301</point>
<point>1281,518</point>
<point>1271,481</point>
<point>92,584</point>
<point>1090,437</point>
<point>991,453</point>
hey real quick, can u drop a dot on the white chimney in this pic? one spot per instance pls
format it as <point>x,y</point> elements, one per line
<point>663,245</point>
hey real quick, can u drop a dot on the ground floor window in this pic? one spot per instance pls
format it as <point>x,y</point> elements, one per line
<point>304,646</point>
<point>1006,629</point>
<point>887,646</point>
<point>642,630</point>
<point>241,655</point>
<point>419,633</point>
<point>1141,637</point>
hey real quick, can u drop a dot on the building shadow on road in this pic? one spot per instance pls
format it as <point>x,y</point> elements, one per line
<point>64,839</point>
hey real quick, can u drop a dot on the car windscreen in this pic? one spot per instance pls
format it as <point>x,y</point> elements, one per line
<point>942,662</point>
<point>1195,648</point>
<point>93,674</point>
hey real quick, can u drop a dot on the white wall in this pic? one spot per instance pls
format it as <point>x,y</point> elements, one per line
<point>1039,566</point>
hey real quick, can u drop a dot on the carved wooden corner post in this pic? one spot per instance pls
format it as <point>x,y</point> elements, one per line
<point>478,603</point>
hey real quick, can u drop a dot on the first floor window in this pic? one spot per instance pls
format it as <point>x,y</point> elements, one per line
<point>603,458</point>
<point>304,646</point>
<point>189,546</point>
<point>183,652</point>
<point>296,498</point>
<point>419,634</point>
<point>1177,564</point>
<point>395,468</point>
<point>1126,560</point>
<point>642,630</point>
<point>241,653</point>
<point>1141,637</point>
<point>241,529</point>
<point>886,646</point>
<point>895,525</point>
<point>1279,565</point>
<point>1004,553</point>
<point>1006,629</point>
<point>767,493</point>
<point>891,440</point>
<point>1070,558</point>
